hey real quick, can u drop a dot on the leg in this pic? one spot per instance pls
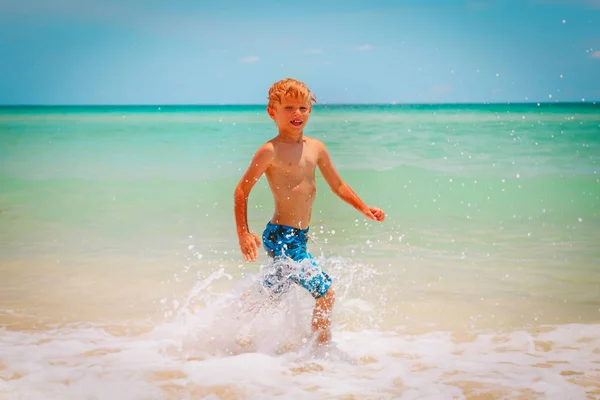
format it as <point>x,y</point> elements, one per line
<point>321,320</point>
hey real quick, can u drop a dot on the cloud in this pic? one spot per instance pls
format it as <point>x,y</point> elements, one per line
<point>364,47</point>
<point>595,54</point>
<point>250,59</point>
<point>313,51</point>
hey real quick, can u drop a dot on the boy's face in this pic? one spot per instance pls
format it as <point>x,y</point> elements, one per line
<point>292,114</point>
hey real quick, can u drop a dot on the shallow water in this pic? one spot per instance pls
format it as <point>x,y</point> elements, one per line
<point>230,346</point>
<point>121,276</point>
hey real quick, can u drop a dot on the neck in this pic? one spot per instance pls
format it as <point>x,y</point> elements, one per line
<point>291,137</point>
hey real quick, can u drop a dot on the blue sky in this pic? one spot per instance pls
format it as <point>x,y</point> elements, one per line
<point>347,51</point>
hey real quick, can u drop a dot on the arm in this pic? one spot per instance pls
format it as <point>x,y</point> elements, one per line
<point>249,243</point>
<point>341,189</point>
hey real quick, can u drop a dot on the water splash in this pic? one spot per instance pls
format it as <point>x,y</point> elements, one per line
<point>243,343</point>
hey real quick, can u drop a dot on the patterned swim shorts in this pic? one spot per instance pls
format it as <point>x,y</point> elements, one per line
<point>283,243</point>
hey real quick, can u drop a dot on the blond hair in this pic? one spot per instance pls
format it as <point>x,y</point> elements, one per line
<point>289,87</point>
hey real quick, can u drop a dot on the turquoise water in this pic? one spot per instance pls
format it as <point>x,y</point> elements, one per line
<point>113,214</point>
<point>115,171</point>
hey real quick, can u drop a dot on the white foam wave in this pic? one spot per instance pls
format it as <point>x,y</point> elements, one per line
<point>243,344</point>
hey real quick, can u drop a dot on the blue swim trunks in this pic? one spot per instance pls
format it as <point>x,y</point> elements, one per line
<point>282,243</point>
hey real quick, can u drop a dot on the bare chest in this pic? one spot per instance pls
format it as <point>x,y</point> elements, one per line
<point>296,161</point>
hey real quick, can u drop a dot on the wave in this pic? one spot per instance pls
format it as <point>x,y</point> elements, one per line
<point>241,344</point>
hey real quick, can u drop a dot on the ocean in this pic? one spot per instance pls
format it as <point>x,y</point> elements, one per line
<point>121,276</point>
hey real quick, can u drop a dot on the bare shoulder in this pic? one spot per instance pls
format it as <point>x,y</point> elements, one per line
<point>312,140</point>
<point>316,143</point>
<point>319,147</point>
<point>265,154</point>
<point>266,149</point>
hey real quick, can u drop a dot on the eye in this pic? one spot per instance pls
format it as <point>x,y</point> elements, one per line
<point>304,108</point>
<point>288,107</point>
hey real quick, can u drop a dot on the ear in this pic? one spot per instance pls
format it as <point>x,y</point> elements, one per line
<point>271,112</point>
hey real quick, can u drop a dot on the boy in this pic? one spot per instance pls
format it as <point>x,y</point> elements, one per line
<point>289,161</point>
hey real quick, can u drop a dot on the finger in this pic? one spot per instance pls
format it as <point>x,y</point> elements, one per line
<point>252,253</point>
<point>247,254</point>
<point>255,252</point>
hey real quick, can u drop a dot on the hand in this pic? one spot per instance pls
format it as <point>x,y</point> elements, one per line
<point>375,214</point>
<point>249,244</point>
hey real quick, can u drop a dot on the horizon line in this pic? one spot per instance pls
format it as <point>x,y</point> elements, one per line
<point>314,105</point>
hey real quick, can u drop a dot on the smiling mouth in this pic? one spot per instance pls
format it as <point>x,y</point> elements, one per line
<point>296,122</point>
